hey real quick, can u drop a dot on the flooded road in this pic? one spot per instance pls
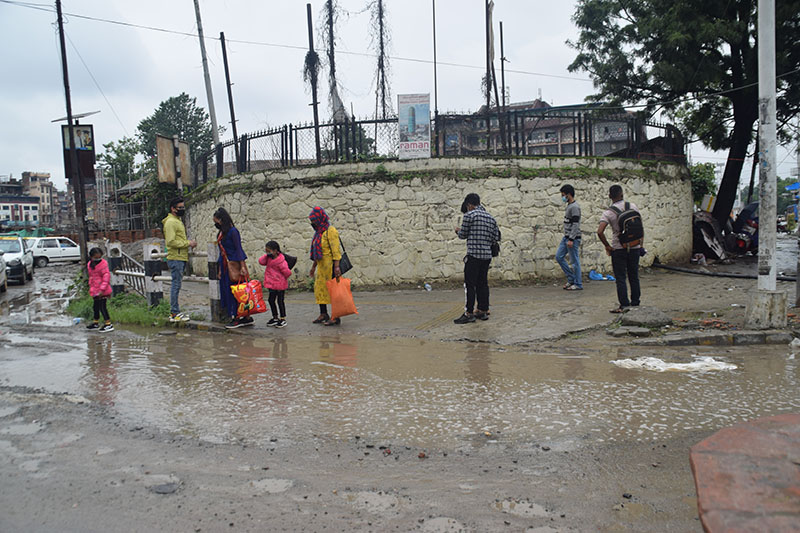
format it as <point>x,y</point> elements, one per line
<point>230,388</point>
<point>316,429</point>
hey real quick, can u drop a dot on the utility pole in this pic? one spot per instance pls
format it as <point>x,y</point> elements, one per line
<point>313,85</point>
<point>211,110</point>
<point>435,84</point>
<point>507,130</point>
<point>230,101</point>
<point>488,83</point>
<point>767,307</point>
<point>797,224</point>
<point>74,177</point>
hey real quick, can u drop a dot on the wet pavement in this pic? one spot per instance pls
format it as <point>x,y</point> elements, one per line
<point>539,395</point>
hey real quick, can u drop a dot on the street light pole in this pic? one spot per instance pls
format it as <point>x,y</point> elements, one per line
<point>74,177</point>
<point>767,307</point>
<point>211,110</point>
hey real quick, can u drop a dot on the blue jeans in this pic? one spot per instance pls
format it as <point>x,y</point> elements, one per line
<point>176,270</point>
<point>573,273</point>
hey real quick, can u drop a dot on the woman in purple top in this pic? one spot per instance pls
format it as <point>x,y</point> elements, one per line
<point>231,266</point>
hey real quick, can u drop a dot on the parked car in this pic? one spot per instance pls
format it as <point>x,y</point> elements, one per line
<point>53,249</point>
<point>18,258</point>
<point>3,275</point>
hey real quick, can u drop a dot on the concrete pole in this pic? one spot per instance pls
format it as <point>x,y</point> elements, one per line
<point>211,110</point>
<point>153,289</point>
<point>767,307</point>
<point>797,226</point>
<point>218,314</point>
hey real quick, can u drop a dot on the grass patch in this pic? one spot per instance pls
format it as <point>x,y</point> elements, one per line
<point>124,309</point>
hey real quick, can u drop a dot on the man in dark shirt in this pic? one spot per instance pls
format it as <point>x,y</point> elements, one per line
<point>480,230</point>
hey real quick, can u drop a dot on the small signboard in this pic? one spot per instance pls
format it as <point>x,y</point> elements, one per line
<point>83,136</point>
<point>165,150</point>
<point>414,126</point>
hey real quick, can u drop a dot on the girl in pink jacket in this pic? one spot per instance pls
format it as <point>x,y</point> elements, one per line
<point>276,279</point>
<point>99,289</point>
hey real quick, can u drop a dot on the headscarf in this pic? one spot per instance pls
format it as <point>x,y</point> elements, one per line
<point>319,218</point>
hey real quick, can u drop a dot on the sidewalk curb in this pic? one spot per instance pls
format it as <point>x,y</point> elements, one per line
<point>728,338</point>
<point>198,326</point>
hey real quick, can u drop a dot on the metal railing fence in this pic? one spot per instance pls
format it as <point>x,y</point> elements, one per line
<point>516,132</point>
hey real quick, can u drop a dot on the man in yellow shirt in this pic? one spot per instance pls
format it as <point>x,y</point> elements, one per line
<point>177,254</point>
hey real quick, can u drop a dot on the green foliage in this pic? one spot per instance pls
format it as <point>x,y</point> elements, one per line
<point>702,180</point>
<point>181,116</point>
<point>381,171</point>
<point>129,308</point>
<point>157,196</point>
<point>697,61</point>
<point>785,198</point>
<point>120,159</point>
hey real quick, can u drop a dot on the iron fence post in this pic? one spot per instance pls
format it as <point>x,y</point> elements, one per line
<point>220,161</point>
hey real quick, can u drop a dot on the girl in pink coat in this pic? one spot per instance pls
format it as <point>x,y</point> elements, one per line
<point>276,279</point>
<point>99,289</point>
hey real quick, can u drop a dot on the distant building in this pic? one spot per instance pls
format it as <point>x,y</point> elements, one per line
<point>536,128</point>
<point>19,210</point>
<point>65,212</point>
<point>10,186</point>
<point>38,184</point>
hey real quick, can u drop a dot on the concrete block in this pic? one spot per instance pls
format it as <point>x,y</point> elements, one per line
<point>778,337</point>
<point>766,310</point>
<point>741,338</point>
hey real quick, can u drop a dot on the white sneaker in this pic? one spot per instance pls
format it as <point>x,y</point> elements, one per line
<point>180,317</point>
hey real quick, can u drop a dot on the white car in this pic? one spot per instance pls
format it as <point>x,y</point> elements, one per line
<point>18,258</point>
<point>53,249</point>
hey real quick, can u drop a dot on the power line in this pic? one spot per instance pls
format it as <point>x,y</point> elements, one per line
<point>45,7</point>
<point>98,85</point>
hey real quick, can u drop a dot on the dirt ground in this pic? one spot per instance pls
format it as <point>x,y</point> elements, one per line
<point>71,464</point>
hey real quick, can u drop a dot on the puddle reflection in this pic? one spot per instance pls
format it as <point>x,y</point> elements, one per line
<point>226,387</point>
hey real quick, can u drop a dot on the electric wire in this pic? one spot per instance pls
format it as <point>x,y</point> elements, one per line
<point>114,111</point>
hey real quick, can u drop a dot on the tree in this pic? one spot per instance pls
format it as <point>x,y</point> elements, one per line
<point>702,180</point>
<point>119,157</point>
<point>697,61</point>
<point>179,116</point>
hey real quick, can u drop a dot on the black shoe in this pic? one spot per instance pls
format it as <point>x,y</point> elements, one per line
<point>235,323</point>
<point>93,325</point>
<point>246,321</point>
<point>480,315</point>
<point>281,323</point>
<point>273,321</point>
<point>106,328</point>
<point>464,319</point>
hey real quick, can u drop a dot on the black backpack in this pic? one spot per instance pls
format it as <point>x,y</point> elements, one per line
<point>631,229</point>
<point>291,260</point>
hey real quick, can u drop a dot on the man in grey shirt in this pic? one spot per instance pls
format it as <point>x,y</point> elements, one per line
<point>571,243</point>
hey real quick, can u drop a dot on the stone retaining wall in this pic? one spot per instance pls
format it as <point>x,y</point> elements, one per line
<point>397,218</point>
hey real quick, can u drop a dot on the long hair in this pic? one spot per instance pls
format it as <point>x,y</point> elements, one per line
<point>225,219</point>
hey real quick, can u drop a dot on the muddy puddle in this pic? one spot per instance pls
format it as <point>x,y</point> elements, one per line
<point>273,391</point>
<point>41,301</point>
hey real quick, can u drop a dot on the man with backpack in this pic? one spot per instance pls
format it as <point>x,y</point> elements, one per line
<point>627,235</point>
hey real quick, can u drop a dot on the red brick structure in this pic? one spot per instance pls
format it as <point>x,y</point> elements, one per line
<point>748,476</point>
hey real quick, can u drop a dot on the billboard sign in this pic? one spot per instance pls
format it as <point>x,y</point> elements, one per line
<point>414,125</point>
<point>165,151</point>
<point>83,135</point>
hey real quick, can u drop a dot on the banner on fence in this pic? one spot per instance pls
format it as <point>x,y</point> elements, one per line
<point>414,125</point>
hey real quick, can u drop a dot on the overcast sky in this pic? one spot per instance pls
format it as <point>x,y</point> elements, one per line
<point>137,68</point>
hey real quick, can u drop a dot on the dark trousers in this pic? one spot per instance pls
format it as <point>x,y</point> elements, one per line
<point>626,270</point>
<point>277,295</point>
<point>476,283</point>
<point>100,307</point>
